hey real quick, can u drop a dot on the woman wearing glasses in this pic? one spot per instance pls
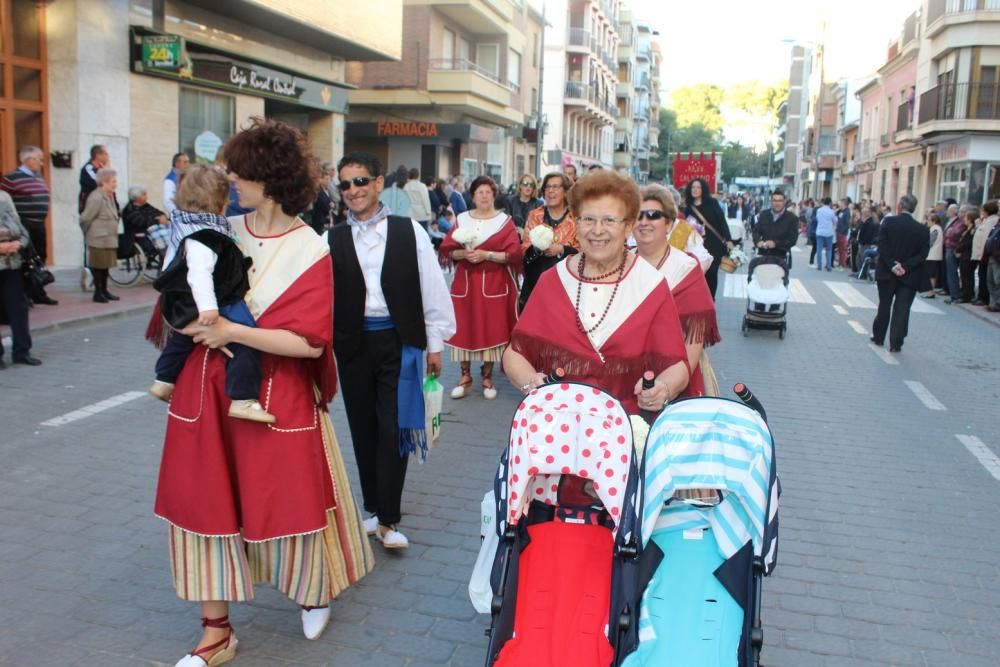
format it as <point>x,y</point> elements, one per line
<point>686,282</point>
<point>486,251</point>
<point>555,215</point>
<point>524,202</point>
<point>604,316</point>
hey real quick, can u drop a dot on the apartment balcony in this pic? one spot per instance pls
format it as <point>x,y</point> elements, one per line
<point>487,17</point>
<point>577,94</point>
<point>904,123</point>
<point>624,89</point>
<point>960,107</point>
<point>578,40</point>
<point>943,14</point>
<point>623,159</point>
<point>884,139</point>
<point>642,82</point>
<point>466,87</point>
<point>624,123</point>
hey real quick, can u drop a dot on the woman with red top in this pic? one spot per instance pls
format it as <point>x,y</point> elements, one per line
<point>604,316</point>
<point>486,250</point>
<point>248,502</point>
<point>555,214</point>
<point>686,282</point>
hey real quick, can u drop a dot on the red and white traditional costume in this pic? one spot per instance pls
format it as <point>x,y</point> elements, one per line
<point>249,502</point>
<point>640,332</point>
<point>484,294</point>
<point>695,308</point>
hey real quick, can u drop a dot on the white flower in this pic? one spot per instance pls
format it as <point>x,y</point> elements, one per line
<point>465,236</point>
<point>541,237</point>
<point>738,256</point>
<point>640,430</point>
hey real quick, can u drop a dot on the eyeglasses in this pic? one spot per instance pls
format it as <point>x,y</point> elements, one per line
<point>359,181</point>
<point>607,221</point>
<point>651,214</point>
<point>527,184</point>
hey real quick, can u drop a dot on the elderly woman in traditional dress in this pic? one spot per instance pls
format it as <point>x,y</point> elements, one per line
<point>604,316</point>
<point>485,247</point>
<point>247,502</point>
<point>686,282</point>
<point>555,217</point>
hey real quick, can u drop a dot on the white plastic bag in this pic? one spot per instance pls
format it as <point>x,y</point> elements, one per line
<point>480,590</point>
<point>433,397</point>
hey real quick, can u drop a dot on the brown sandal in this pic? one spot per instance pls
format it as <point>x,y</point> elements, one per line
<point>463,387</point>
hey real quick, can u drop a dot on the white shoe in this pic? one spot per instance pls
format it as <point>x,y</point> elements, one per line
<point>314,621</point>
<point>489,393</point>
<point>371,525</point>
<point>392,538</point>
<point>220,657</point>
<point>251,410</point>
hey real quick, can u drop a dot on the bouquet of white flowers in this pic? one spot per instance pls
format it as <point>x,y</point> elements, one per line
<point>738,256</point>
<point>541,237</point>
<point>640,431</point>
<point>465,236</point>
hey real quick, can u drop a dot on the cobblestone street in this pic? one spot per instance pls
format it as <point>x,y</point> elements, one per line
<point>887,552</point>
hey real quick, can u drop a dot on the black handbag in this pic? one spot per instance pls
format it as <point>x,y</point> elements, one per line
<point>35,275</point>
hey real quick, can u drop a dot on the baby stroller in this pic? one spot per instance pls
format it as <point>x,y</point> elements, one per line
<point>567,519</point>
<point>767,294</point>
<point>710,534</point>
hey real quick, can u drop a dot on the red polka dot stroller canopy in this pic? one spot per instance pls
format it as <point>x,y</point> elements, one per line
<point>563,430</point>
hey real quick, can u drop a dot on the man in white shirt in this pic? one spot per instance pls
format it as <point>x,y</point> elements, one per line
<point>420,199</point>
<point>391,304</point>
<point>180,163</point>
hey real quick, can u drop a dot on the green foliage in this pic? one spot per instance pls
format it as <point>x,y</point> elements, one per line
<point>700,104</point>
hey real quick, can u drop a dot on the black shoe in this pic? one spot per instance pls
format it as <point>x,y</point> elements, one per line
<point>978,302</point>
<point>111,297</point>
<point>2,365</point>
<point>950,301</point>
<point>46,301</point>
<point>28,361</point>
<point>893,348</point>
<point>100,298</point>
<point>876,342</point>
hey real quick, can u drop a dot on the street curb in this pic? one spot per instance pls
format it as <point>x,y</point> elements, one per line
<point>980,313</point>
<point>78,322</point>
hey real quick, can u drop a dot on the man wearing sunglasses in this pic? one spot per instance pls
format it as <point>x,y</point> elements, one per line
<point>777,229</point>
<point>390,306</point>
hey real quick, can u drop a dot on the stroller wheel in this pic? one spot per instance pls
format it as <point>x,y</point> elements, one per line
<point>746,329</point>
<point>781,333</point>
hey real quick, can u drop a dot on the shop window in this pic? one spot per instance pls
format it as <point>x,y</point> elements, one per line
<point>470,169</point>
<point>206,121</point>
<point>24,19</point>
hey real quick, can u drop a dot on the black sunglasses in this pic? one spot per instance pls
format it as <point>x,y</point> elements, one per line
<point>360,181</point>
<point>651,214</point>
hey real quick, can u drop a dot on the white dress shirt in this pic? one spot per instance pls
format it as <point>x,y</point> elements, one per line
<point>169,191</point>
<point>439,313</point>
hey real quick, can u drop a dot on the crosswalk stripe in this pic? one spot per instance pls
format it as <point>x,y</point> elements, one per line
<point>921,306</point>
<point>851,297</point>
<point>883,354</point>
<point>858,327</point>
<point>735,287</point>
<point>983,454</point>
<point>924,395</point>
<point>840,310</point>
<point>796,249</point>
<point>94,408</point>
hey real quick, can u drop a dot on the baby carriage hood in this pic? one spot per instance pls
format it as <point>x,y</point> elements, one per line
<point>768,278</point>
<point>711,443</point>
<point>569,429</point>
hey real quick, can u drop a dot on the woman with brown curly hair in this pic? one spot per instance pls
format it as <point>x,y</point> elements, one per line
<point>248,502</point>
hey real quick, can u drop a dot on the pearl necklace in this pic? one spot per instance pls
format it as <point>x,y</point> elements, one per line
<point>614,292</point>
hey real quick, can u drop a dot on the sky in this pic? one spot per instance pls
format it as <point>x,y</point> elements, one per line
<point>725,41</point>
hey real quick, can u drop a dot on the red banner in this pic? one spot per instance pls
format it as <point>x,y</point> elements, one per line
<point>690,168</point>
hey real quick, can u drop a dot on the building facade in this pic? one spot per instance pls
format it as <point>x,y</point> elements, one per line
<point>150,78</point>
<point>464,100</point>
<point>637,127</point>
<point>795,114</point>
<point>581,83</point>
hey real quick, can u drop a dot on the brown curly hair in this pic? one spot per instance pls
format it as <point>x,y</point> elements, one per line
<point>600,183</point>
<point>278,155</point>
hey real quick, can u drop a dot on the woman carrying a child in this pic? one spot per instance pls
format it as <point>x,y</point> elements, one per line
<point>249,502</point>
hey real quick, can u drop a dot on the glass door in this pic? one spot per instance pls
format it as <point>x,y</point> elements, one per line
<point>23,94</point>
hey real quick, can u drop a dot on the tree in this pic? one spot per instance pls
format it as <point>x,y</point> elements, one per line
<point>700,104</point>
<point>675,139</point>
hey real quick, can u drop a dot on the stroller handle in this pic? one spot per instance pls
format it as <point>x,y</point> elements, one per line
<point>648,382</point>
<point>747,398</point>
<point>555,376</point>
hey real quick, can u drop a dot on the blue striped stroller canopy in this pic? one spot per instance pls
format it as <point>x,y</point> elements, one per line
<point>710,494</point>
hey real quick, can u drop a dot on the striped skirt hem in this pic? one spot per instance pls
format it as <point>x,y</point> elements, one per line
<point>490,354</point>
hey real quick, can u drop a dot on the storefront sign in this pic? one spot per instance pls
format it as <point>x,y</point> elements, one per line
<point>201,65</point>
<point>418,130</point>
<point>207,145</point>
<point>954,151</point>
<point>690,168</point>
<point>162,51</point>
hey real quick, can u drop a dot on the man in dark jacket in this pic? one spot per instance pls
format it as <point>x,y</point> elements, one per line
<point>902,248</point>
<point>843,229</point>
<point>777,228</point>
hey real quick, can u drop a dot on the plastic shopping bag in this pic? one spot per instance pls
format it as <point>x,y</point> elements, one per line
<point>433,397</point>
<point>480,590</point>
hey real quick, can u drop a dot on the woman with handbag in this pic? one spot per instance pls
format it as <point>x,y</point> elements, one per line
<point>99,220</point>
<point>700,205</point>
<point>13,301</point>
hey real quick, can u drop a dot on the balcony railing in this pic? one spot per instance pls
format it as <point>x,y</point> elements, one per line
<point>462,65</point>
<point>904,117</point>
<point>576,90</point>
<point>579,91</point>
<point>938,8</point>
<point>961,101</point>
<point>579,37</point>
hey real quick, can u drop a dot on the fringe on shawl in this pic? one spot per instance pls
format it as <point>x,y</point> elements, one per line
<point>701,327</point>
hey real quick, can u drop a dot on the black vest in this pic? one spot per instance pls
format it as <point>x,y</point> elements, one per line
<point>400,286</point>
